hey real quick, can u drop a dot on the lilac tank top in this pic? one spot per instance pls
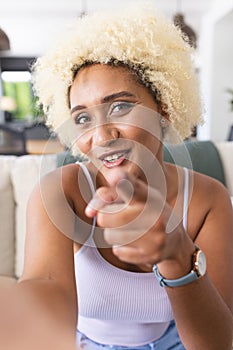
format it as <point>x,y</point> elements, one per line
<point>116,306</point>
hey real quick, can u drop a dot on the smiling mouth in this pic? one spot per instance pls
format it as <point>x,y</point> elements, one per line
<point>114,158</point>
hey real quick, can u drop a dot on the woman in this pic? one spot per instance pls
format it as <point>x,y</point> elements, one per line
<point>143,230</point>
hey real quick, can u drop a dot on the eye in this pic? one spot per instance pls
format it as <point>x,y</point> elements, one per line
<point>121,108</point>
<point>82,119</point>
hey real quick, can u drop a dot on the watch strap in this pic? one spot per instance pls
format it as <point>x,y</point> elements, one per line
<point>182,281</point>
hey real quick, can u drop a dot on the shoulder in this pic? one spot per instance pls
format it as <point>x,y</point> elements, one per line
<point>60,199</point>
<point>67,183</point>
<point>60,177</point>
<point>209,189</point>
<point>210,204</point>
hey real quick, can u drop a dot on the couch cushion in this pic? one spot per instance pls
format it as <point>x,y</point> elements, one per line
<point>25,174</point>
<point>7,218</point>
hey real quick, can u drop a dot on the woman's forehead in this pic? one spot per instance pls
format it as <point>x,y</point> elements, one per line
<point>98,84</point>
<point>97,81</point>
<point>106,71</point>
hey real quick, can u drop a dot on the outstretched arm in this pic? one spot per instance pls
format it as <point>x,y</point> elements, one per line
<point>45,297</point>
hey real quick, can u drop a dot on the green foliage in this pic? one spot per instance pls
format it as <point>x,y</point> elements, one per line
<point>27,106</point>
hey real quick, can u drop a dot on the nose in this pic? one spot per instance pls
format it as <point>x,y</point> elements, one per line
<point>105,133</point>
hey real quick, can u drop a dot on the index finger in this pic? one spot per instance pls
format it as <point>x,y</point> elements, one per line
<point>98,202</point>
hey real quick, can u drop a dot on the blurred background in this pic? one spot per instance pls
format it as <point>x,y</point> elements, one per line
<point>28,28</point>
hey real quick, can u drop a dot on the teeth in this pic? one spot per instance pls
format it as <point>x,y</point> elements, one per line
<point>113,157</point>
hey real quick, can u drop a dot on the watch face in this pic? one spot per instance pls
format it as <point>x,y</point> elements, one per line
<point>201,262</point>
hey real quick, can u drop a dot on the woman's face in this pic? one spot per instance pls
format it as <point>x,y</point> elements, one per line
<point>117,120</point>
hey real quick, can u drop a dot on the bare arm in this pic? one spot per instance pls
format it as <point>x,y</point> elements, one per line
<point>48,269</point>
<point>203,309</point>
<point>48,280</point>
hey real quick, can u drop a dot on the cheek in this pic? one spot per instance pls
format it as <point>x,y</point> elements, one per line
<point>141,136</point>
<point>145,141</point>
<point>83,144</point>
<point>131,132</point>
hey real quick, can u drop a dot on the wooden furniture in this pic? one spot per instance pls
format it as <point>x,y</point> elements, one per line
<point>12,139</point>
<point>20,138</point>
<point>44,146</point>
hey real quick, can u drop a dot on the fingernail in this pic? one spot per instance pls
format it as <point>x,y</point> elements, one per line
<point>94,204</point>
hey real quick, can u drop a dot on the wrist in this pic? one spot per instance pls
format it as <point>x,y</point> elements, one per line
<point>198,270</point>
<point>180,263</point>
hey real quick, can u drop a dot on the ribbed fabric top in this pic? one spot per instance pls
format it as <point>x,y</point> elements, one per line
<point>111,300</point>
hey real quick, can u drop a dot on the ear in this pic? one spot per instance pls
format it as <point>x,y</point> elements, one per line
<point>163,114</point>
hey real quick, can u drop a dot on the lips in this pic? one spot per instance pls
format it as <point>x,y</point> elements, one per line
<point>114,158</point>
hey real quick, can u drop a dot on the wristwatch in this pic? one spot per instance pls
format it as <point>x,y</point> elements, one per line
<point>198,270</point>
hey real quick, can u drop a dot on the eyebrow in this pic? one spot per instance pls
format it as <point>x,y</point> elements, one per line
<point>105,99</point>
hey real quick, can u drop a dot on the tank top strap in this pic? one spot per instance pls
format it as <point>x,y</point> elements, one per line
<point>92,188</point>
<point>186,198</point>
<point>88,177</point>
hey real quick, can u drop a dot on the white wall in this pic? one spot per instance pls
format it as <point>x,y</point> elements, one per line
<point>33,35</point>
<point>33,24</point>
<point>222,77</point>
<point>216,51</point>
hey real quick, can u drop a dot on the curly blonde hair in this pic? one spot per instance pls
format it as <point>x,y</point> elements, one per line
<point>144,41</point>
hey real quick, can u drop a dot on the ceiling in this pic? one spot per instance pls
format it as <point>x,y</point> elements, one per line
<point>47,18</point>
<point>193,9</point>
